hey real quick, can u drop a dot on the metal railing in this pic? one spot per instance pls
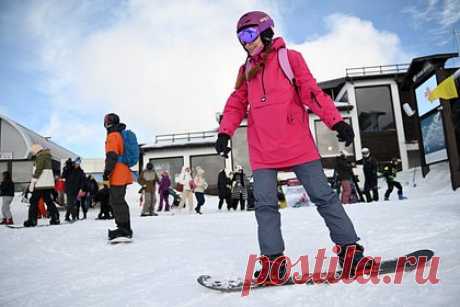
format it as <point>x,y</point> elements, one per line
<point>186,136</point>
<point>377,70</point>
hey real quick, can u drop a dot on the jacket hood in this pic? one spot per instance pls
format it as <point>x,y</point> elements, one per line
<point>278,43</point>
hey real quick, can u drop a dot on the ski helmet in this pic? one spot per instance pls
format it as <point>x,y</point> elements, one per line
<point>111,120</point>
<point>365,151</point>
<point>257,23</point>
<point>149,166</point>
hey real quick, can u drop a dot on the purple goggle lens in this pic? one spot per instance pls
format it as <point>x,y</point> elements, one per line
<point>248,35</point>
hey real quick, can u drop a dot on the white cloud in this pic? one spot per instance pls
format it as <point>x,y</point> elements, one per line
<point>350,42</point>
<point>445,13</point>
<point>169,66</point>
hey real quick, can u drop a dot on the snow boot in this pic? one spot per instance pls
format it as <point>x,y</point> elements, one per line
<point>123,230</point>
<point>55,220</point>
<point>351,260</point>
<point>9,221</point>
<point>401,196</point>
<point>29,223</point>
<point>3,222</point>
<point>280,268</point>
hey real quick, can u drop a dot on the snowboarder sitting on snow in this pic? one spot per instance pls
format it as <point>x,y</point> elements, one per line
<point>389,172</point>
<point>103,197</point>
<point>279,137</point>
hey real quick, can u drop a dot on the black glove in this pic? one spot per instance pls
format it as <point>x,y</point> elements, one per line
<point>345,132</point>
<point>222,144</point>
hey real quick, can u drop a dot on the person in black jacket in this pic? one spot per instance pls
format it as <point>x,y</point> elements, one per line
<point>223,188</point>
<point>370,168</point>
<point>344,171</point>
<point>7,195</point>
<point>74,181</point>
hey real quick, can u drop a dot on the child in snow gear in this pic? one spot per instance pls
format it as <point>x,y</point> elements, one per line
<point>163,190</point>
<point>148,179</point>
<point>279,137</point>
<point>7,195</point>
<point>117,175</point>
<point>41,185</point>
<point>370,168</point>
<point>200,186</point>
<point>389,172</point>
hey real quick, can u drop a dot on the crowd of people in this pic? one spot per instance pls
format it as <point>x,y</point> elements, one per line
<point>346,182</point>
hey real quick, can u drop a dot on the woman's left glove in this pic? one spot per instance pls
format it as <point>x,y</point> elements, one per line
<point>345,132</point>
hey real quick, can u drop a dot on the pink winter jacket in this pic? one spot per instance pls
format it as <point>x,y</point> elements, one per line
<point>278,132</point>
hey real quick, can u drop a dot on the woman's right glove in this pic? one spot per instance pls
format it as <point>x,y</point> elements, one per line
<point>222,144</point>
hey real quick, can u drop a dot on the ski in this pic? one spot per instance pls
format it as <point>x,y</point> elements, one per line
<point>236,285</point>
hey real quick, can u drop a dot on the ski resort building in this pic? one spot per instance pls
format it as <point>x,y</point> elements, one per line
<point>386,107</point>
<point>15,151</point>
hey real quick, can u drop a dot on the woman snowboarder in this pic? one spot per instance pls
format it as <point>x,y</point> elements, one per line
<point>279,137</point>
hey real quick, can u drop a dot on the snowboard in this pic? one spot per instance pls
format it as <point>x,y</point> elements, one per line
<point>120,240</point>
<point>236,285</point>
<point>19,226</point>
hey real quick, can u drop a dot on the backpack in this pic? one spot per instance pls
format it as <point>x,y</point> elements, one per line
<point>130,154</point>
<point>283,60</point>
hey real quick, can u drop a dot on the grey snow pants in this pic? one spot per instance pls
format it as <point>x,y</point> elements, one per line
<point>314,181</point>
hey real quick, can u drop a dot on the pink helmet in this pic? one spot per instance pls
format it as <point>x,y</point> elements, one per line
<point>256,18</point>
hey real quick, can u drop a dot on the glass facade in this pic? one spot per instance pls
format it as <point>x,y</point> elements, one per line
<point>172,165</point>
<point>327,142</point>
<point>377,122</point>
<point>212,165</point>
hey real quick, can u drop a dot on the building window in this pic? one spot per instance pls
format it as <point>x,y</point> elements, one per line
<point>327,142</point>
<point>212,165</point>
<point>377,122</point>
<point>172,165</point>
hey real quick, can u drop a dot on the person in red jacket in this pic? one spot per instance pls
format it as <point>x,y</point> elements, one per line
<point>278,134</point>
<point>117,176</point>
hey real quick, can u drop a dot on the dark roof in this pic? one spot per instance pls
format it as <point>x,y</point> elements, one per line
<point>418,64</point>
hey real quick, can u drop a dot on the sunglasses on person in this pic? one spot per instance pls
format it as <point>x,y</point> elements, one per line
<point>248,35</point>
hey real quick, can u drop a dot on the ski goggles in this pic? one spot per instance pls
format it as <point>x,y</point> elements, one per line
<point>248,35</point>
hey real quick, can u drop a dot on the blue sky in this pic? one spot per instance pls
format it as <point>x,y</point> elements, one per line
<point>168,67</point>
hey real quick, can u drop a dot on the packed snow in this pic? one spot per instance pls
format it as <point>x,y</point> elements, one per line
<point>72,264</point>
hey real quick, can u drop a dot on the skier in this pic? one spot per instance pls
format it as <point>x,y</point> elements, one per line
<point>389,172</point>
<point>148,179</point>
<point>370,175</point>
<point>240,184</point>
<point>223,189</point>
<point>117,176</point>
<point>163,190</point>
<point>279,137</point>
<point>7,195</point>
<point>41,185</point>
<point>344,172</point>
<point>200,186</point>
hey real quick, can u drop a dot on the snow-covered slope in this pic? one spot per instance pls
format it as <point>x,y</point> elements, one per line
<point>72,265</point>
